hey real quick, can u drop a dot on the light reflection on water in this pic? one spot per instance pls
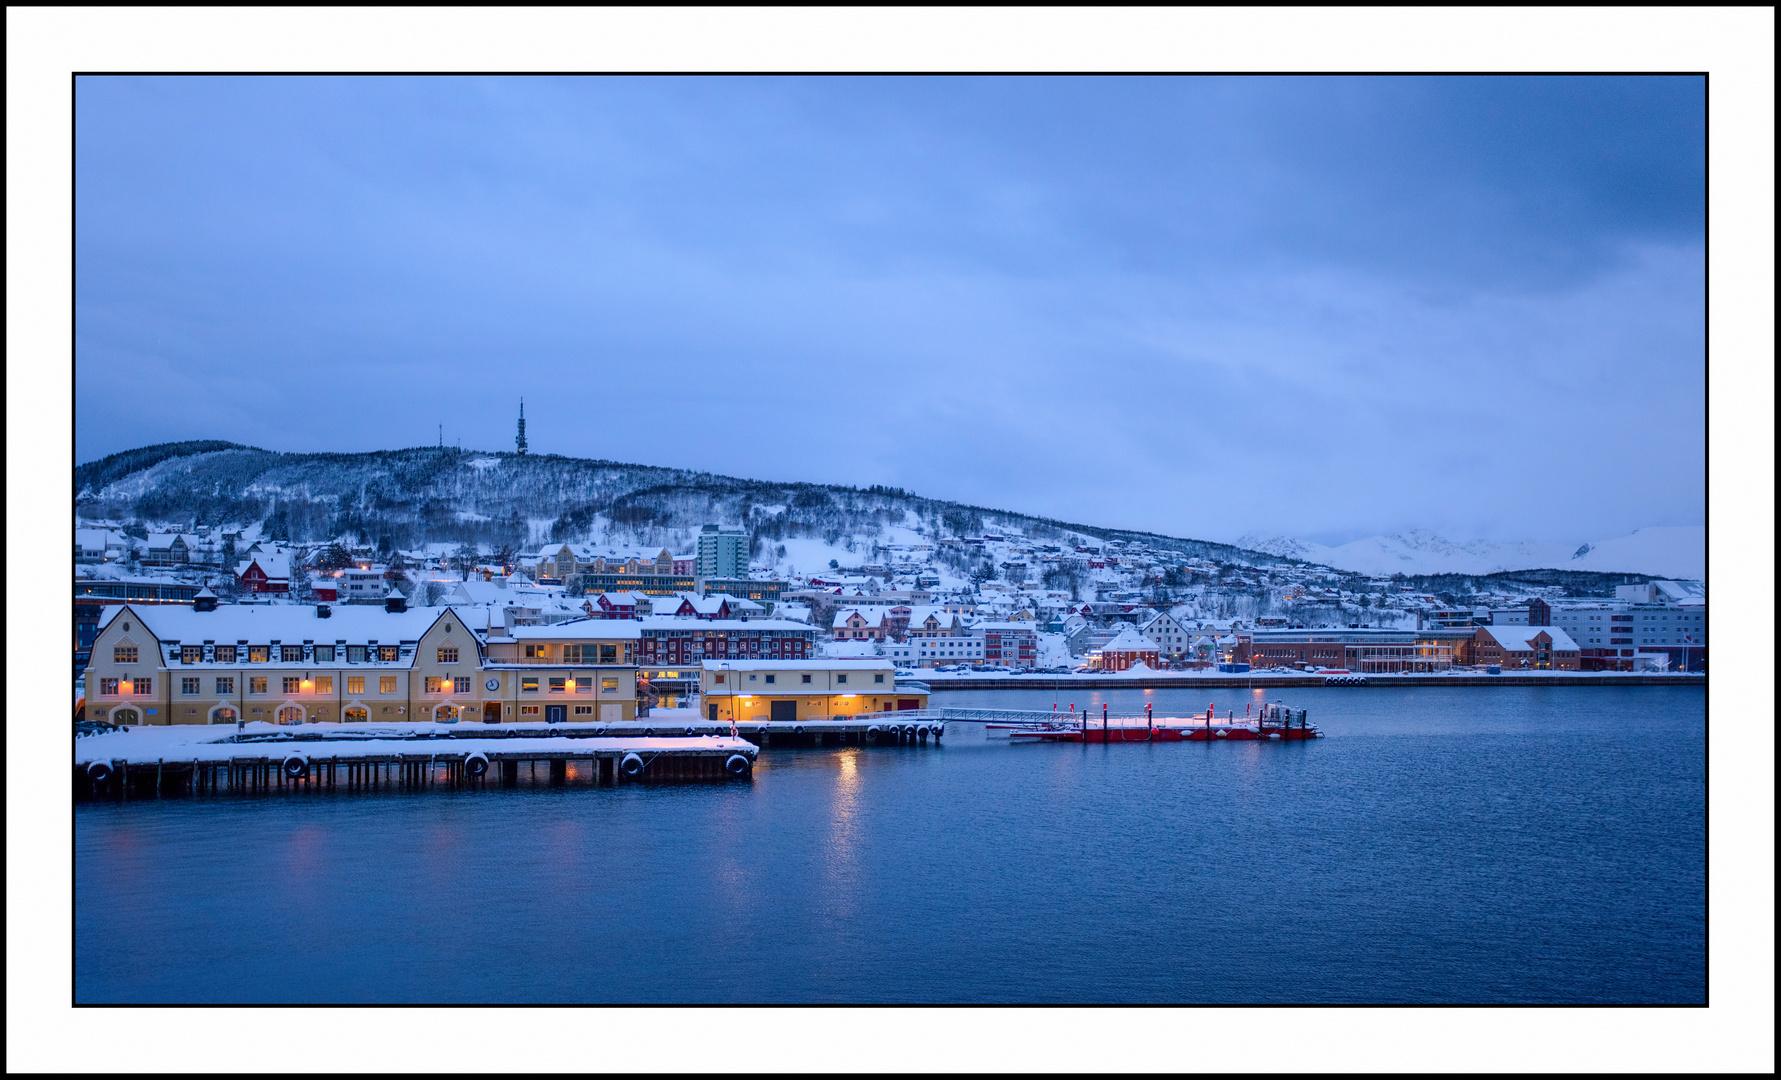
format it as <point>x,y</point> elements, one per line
<point>1397,860</point>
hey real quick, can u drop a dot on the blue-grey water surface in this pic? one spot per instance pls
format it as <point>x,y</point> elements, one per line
<point>1441,845</point>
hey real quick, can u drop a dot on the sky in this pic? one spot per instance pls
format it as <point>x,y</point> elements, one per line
<point>1319,307</point>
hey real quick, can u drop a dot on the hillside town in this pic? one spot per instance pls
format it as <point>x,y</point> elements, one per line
<point>990,604</point>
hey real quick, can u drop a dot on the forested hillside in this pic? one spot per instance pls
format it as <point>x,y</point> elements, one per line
<point>408,497</point>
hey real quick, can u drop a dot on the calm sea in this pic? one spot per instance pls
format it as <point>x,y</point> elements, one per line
<point>1441,845</point>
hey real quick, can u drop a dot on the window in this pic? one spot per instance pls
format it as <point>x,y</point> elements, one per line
<point>557,684</point>
<point>258,654</point>
<point>584,685</point>
<point>460,685</point>
<point>609,654</point>
<point>324,654</point>
<point>145,686</point>
<point>572,654</point>
<point>355,684</point>
<point>584,710</point>
<point>290,684</point>
<point>355,654</point>
<point>434,684</point>
<point>124,654</point>
<point>225,654</point>
<point>225,685</point>
<point>386,684</point>
<point>841,680</point>
<point>386,654</point>
<point>806,678</point>
<point>256,684</point>
<point>188,686</point>
<point>720,676</point>
<point>878,678</point>
<point>528,686</point>
<point>191,654</point>
<point>324,684</point>
<point>769,678</point>
<point>536,652</point>
<point>608,686</point>
<point>108,686</point>
<point>448,654</point>
<point>291,654</point>
<point>529,710</point>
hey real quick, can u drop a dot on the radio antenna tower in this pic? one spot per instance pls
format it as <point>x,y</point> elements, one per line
<point>521,440</point>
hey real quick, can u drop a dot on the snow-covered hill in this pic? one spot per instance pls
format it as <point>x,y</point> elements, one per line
<point>1668,551</point>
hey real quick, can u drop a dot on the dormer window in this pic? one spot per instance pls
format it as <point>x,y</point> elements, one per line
<point>124,654</point>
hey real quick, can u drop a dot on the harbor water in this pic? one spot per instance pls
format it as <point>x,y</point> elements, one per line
<point>1514,844</point>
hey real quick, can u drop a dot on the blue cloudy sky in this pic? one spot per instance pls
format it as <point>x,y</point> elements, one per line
<point>1322,307</point>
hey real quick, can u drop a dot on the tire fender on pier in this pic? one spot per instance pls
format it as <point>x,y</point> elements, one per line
<point>649,732</point>
<point>691,731</point>
<point>296,766</point>
<point>631,765</point>
<point>798,729</point>
<point>476,764</point>
<point>99,772</point>
<point>737,764</point>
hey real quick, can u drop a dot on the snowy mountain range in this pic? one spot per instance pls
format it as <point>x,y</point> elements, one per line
<point>1675,551</point>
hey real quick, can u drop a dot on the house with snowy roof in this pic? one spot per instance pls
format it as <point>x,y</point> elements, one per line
<point>265,572</point>
<point>1126,650</point>
<point>1535,648</point>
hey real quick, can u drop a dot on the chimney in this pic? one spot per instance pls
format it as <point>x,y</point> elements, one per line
<point>322,612</point>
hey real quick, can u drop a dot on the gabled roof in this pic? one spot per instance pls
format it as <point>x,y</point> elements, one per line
<point>1129,640</point>
<point>1520,638</point>
<point>260,624</point>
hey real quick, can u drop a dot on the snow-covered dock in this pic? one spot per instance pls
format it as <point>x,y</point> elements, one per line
<point>328,757</point>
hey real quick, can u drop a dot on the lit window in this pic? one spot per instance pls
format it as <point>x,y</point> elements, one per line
<point>387,654</point>
<point>256,684</point>
<point>448,654</point>
<point>608,686</point>
<point>528,686</point>
<point>124,654</point>
<point>355,684</point>
<point>386,684</point>
<point>225,654</point>
<point>191,654</point>
<point>258,654</point>
<point>324,684</point>
<point>434,684</point>
<point>290,684</point>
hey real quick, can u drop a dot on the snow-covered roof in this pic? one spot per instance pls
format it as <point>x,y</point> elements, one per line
<point>700,626</point>
<point>1688,593</point>
<point>259,624</point>
<point>812,664</point>
<point>1520,638</point>
<point>579,629</point>
<point>1004,626</point>
<point>1129,640</point>
<point>874,616</point>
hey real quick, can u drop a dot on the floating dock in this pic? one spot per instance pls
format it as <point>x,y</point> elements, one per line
<point>149,761</point>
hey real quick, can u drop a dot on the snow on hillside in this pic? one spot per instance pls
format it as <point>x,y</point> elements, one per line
<point>1669,551</point>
